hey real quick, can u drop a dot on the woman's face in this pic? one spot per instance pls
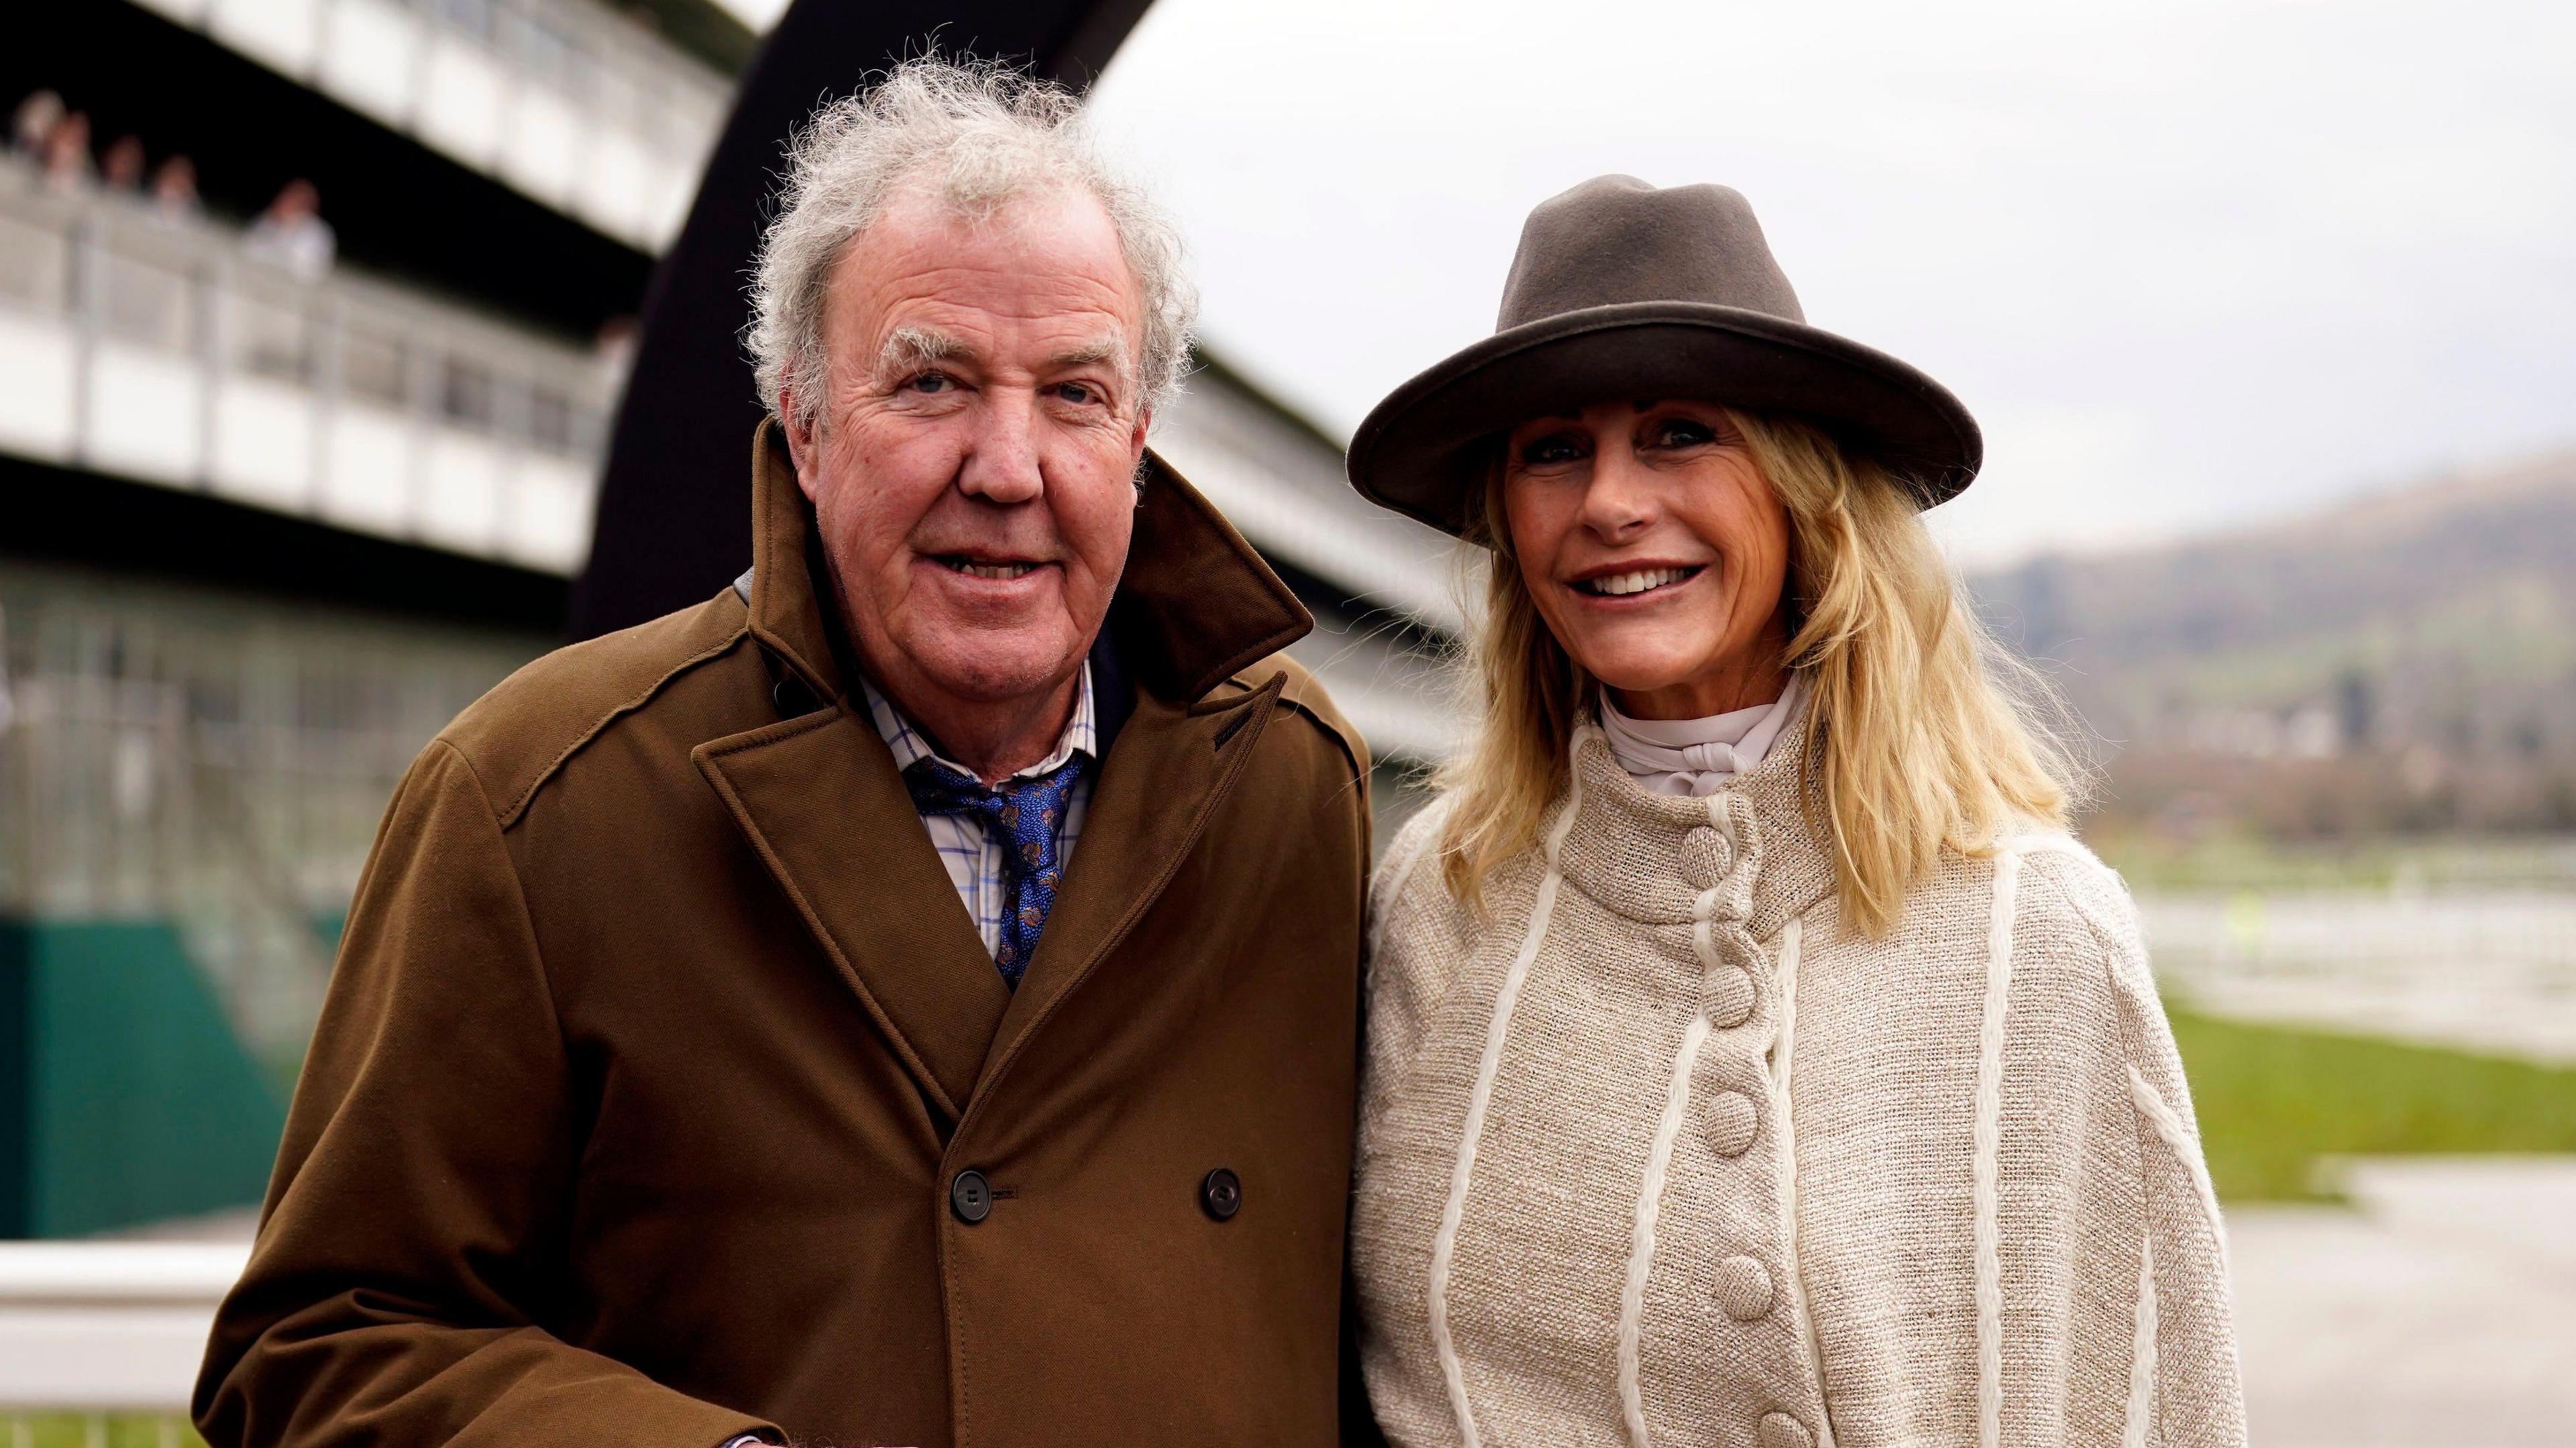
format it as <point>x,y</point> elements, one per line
<point>1656,552</point>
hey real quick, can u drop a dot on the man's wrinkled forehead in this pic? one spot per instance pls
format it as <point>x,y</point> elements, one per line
<point>1053,257</point>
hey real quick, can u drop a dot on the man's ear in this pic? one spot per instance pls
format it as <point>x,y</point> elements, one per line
<point>804,445</point>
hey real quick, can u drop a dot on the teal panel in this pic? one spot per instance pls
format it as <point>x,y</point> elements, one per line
<point>328,926</point>
<point>142,1104</point>
<point>17,1071</point>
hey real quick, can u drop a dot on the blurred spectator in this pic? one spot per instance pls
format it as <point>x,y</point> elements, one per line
<point>67,164</point>
<point>34,121</point>
<point>120,168</point>
<point>174,189</point>
<point>292,234</point>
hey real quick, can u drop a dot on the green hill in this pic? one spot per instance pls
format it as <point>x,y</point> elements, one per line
<point>2403,661</point>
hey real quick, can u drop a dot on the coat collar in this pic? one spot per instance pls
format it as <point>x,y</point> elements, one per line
<point>1629,848</point>
<point>814,795</point>
<point>1194,607</point>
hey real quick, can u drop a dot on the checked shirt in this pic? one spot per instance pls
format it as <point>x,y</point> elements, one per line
<point>970,852</point>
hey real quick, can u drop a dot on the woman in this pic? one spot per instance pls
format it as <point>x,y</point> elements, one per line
<point>1754,1059</point>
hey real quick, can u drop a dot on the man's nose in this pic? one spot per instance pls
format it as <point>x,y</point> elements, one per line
<point>1001,463</point>
<point>1616,502</point>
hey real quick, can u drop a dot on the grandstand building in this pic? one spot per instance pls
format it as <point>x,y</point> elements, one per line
<point>272,522</point>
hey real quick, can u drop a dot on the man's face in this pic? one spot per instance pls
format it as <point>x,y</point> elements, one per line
<point>972,461</point>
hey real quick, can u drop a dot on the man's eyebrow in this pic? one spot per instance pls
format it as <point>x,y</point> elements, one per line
<point>909,349</point>
<point>1108,347</point>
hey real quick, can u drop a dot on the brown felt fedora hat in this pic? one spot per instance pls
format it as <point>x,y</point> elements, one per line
<point>1621,289</point>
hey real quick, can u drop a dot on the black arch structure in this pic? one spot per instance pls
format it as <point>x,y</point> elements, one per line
<point>674,519</point>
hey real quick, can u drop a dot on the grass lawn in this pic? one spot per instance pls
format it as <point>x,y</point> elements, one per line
<point>2273,1099</point>
<point>96,1430</point>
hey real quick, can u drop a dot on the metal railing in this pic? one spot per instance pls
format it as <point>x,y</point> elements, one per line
<point>564,100</point>
<point>163,348</point>
<point>2480,968</point>
<point>100,1341</point>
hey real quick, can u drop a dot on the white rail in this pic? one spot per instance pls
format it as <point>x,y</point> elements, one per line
<point>567,101</point>
<point>158,348</point>
<point>2481,969</point>
<point>108,1326</point>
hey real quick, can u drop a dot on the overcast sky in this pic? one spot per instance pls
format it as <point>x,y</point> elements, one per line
<point>2189,263</point>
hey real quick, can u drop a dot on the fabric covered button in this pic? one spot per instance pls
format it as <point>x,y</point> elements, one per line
<point>1743,1288</point>
<point>1779,1430</point>
<point>1221,1194</point>
<point>1731,1122</point>
<point>1726,994</point>
<point>970,1197</point>
<point>793,696</point>
<point>1706,856</point>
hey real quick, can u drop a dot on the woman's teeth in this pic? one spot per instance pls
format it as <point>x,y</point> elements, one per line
<point>988,570</point>
<point>1615,584</point>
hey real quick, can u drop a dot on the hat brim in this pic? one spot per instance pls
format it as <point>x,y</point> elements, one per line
<point>1417,452</point>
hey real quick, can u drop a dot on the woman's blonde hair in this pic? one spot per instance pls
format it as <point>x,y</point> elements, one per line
<point>1922,733</point>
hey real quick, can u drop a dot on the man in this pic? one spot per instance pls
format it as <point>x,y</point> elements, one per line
<point>906,999</point>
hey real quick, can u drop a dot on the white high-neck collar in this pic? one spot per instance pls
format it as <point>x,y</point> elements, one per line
<point>1696,757</point>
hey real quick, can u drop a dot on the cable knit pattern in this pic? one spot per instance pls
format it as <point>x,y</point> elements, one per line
<point>1621,1268</point>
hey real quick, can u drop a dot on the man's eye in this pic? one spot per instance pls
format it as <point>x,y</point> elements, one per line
<point>1550,451</point>
<point>932,382</point>
<point>1079,393</point>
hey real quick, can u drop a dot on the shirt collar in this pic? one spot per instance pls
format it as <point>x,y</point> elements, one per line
<point>910,746</point>
<point>1697,756</point>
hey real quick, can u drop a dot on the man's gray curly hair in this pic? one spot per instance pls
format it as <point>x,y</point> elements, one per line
<point>978,135</point>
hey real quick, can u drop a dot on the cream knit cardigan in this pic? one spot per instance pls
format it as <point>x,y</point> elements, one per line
<point>1656,1153</point>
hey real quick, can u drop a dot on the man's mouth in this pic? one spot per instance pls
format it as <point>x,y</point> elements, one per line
<point>984,568</point>
<point>1639,580</point>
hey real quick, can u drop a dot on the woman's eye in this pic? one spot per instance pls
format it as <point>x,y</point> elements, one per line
<point>1682,432</point>
<point>1550,451</point>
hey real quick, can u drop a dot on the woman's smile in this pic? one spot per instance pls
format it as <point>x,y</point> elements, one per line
<point>1629,585</point>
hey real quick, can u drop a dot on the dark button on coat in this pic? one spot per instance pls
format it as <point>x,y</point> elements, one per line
<point>659,1037</point>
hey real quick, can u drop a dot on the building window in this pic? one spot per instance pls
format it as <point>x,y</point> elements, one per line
<point>550,420</point>
<point>465,395</point>
<point>147,304</point>
<point>372,370</point>
<point>31,265</point>
<point>268,340</point>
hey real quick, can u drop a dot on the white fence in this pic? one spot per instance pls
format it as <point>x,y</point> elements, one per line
<point>566,101</point>
<point>156,348</point>
<point>97,1327</point>
<point>2484,969</point>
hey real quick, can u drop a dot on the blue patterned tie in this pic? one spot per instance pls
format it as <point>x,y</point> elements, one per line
<point>1024,814</point>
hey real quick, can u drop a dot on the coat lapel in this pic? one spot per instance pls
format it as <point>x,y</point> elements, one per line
<point>819,800</point>
<point>1171,769</point>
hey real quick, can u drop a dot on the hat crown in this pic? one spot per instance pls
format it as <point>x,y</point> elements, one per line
<point>1615,239</point>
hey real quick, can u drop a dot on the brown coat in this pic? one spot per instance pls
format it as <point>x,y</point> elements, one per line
<point>658,1037</point>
